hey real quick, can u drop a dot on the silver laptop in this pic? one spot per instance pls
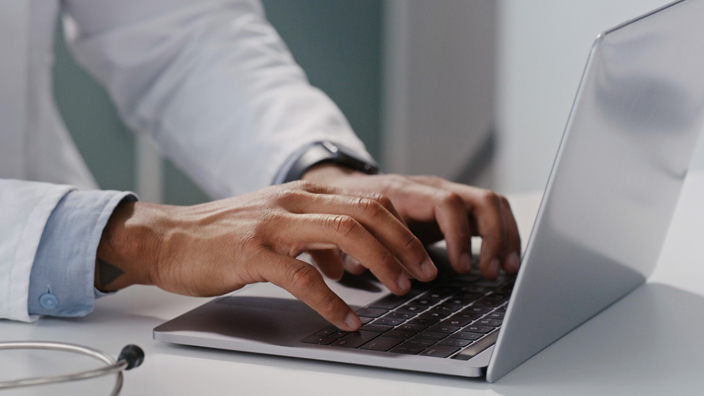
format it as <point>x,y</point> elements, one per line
<point>606,210</point>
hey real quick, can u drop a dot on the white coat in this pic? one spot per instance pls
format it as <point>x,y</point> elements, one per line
<point>209,80</point>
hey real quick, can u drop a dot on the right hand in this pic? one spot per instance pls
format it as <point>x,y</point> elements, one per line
<point>218,247</point>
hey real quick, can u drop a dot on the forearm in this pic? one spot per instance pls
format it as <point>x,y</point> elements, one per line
<point>128,246</point>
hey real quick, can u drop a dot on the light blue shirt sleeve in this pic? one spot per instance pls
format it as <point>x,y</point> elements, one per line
<point>62,277</point>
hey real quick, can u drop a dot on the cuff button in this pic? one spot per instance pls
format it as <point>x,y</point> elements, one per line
<point>48,301</point>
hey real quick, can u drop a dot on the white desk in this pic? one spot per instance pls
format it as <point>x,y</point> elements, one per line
<point>651,342</point>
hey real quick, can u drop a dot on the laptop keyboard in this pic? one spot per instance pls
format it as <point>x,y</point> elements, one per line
<point>455,318</point>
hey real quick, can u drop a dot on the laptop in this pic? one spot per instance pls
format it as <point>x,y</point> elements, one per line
<point>598,234</point>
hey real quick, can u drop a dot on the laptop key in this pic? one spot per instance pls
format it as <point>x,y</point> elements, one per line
<point>407,350</point>
<point>467,296</point>
<point>478,329</point>
<point>371,312</point>
<point>314,339</point>
<point>425,301</point>
<point>411,327</point>
<point>487,303</point>
<point>466,315</point>
<point>400,334</point>
<point>476,309</point>
<point>495,316</point>
<point>388,322</point>
<point>414,309</point>
<point>400,315</point>
<point>440,351</point>
<point>419,342</point>
<point>455,342</point>
<point>376,327</point>
<point>456,322</point>
<point>327,331</point>
<point>434,315</point>
<point>356,339</point>
<point>478,289</point>
<point>423,321</point>
<point>489,322</point>
<point>466,335</point>
<point>442,292</point>
<point>365,319</point>
<point>381,344</point>
<point>444,329</point>
<point>431,336</point>
<point>446,309</point>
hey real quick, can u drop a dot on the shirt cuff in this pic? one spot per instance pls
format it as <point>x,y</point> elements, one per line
<point>62,277</point>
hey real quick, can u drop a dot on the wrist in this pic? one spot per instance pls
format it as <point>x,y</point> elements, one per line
<point>128,247</point>
<point>331,174</point>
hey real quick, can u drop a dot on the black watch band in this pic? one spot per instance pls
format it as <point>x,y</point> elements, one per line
<point>328,152</point>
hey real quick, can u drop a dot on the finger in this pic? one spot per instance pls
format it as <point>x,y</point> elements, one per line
<point>512,261</point>
<point>351,264</point>
<point>491,226</point>
<point>449,211</point>
<point>294,196</point>
<point>344,232</point>
<point>453,220</point>
<point>305,283</point>
<point>377,220</point>
<point>329,263</point>
<point>485,210</point>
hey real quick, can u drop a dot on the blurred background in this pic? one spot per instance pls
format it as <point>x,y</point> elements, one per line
<point>476,91</point>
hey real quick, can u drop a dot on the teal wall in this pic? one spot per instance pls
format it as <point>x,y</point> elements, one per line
<point>337,43</point>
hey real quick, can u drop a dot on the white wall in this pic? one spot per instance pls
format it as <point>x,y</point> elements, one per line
<point>542,48</point>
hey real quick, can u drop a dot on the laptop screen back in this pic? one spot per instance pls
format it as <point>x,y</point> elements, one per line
<point>615,182</point>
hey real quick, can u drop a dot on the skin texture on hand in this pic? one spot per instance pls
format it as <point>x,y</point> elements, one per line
<point>434,209</point>
<point>218,247</point>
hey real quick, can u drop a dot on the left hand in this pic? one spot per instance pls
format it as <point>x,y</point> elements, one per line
<point>434,208</point>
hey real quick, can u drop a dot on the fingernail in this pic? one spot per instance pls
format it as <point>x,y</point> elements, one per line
<point>352,321</point>
<point>494,267</point>
<point>513,262</point>
<point>429,269</point>
<point>403,283</point>
<point>466,261</point>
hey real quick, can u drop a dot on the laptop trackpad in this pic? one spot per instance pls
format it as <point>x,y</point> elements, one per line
<point>271,320</point>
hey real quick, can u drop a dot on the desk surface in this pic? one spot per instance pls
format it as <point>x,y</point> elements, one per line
<point>650,342</point>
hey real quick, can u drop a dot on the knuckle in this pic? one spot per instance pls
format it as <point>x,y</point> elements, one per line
<point>303,277</point>
<point>328,305</point>
<point>304,185</point>
<point>343,225</point>
<point>288,195</point>
<point>370,207</point>
<point>490,198</point>
<point>504,201</point>
<point>386,258</point>
<point>433,180</point>
<point>451,199</point>
<point>383,200</point>
<point>395,182</point>
<point>412,243</point>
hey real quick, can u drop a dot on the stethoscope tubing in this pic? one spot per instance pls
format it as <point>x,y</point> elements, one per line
<point>111,367</point>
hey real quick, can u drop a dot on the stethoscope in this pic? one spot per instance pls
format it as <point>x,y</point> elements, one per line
<point>130,357</point>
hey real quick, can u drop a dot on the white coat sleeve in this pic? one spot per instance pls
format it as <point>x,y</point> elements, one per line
<point>211,81</point>
<point>24,210</point>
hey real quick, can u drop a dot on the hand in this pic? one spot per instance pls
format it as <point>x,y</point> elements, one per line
<point>215,248</point>
<point>435,209</point>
